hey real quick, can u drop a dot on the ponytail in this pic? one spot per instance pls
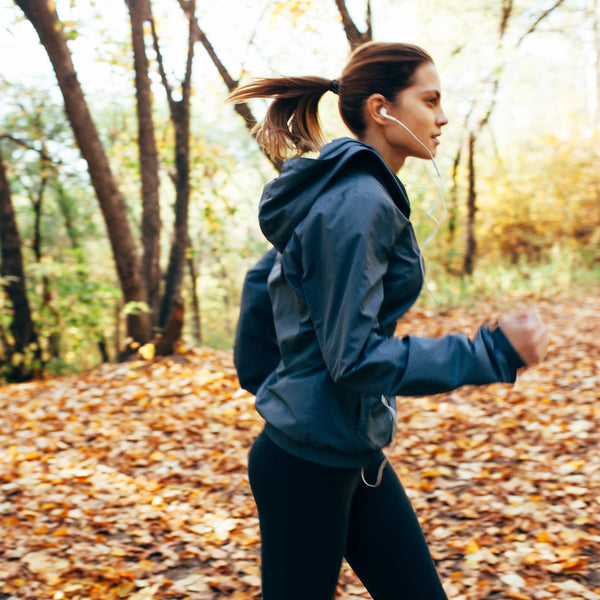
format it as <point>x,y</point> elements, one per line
<point>291,126</point>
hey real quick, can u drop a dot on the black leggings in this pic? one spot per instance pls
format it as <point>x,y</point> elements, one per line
<point>312,516</point>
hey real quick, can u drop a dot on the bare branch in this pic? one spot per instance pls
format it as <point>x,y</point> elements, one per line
<point>535,24</point>
<point>507,9</point>
<point>353,34</point>
<point>243,109</point>
<point>161,64</point>
<point>43,153</point>
<point>230,82</point>
<point>189,8</point>
<point>186,86</point>
<point>369,20</point>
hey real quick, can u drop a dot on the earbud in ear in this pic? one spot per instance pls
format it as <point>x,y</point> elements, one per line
<point>383,111</point>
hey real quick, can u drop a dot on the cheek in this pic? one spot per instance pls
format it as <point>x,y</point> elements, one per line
<point>419,117</point>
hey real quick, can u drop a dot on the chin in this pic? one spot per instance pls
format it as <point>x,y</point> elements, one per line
<point>426,156</point>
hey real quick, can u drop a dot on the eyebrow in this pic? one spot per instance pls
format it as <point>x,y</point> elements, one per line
<point>435,92</point>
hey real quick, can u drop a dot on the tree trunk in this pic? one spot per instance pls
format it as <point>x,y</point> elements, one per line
<point>37,203</point>
<point>471,244</point>
<point>65,206</point>
<point>180,117</point>
<point>12,271</point>
<point>171,334</point>
<point>180,243</point>
<point>453,203</point>
<point>196,316</point>
<point>53,346</point>
<point>139,11</point>
<point>44,18</point>
<point>507,9</point>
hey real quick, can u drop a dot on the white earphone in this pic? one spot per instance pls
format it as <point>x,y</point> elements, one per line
<point>384,113</point>
<point>438,222</point>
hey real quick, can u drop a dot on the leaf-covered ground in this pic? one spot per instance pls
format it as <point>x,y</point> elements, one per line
<point>130,481</point>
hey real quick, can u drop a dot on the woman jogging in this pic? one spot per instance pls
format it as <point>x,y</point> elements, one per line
<point>315,337</point>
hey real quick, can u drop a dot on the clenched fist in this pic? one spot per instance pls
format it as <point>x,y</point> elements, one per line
<point>526,333</point>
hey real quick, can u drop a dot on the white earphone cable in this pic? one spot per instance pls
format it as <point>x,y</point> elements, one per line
<point>430,211</point>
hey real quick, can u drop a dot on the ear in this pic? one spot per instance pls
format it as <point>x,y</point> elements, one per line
<point>373,106</point>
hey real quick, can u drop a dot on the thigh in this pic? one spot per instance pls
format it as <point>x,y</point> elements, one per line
<point>386,546</point>
<point>303,510</point>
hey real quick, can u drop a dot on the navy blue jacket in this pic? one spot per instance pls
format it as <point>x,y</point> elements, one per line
<point>316,346</point>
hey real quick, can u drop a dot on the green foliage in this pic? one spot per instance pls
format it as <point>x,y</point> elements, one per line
<point>564,275</point>
<point>73,310</point>
<point>81,311</point>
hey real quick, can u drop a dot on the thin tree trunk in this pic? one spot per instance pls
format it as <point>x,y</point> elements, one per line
<point>139,11</point>
<point>38,203</point>
<point>471,243</point>
<point>65,208</point>
<point>507,9</point>
<point>180,116</point>
<point>37,218</point>
<point>43,17</point>
<point>103,348</point>
<point>195,302</point>
<point>180,243</point>
<point>453,202</point>
<point>12,271</point>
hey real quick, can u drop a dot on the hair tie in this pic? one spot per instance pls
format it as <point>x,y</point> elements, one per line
<point>334,86</point>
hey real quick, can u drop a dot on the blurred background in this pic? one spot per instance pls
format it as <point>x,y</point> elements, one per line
<point>129,187</point>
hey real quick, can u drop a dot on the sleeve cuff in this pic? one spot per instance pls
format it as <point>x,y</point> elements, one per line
<point>512,356</point>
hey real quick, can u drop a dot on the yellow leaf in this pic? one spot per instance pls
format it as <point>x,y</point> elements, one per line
<point>147,351</point>
<point>146,565</point>
<point>544,538</point>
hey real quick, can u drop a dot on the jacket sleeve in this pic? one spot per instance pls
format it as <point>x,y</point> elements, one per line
<point>345,255</point>
<point>256,352</point>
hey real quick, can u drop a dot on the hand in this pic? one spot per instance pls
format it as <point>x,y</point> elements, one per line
<point>526,333</point>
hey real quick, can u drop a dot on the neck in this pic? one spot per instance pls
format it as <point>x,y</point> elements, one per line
<point>394,162</point>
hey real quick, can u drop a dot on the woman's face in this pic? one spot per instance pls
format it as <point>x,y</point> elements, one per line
<point>419,109</point>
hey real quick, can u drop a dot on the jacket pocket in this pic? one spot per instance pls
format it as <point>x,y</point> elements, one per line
<point>378,420</point>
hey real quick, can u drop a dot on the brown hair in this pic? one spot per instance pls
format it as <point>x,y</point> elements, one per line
<point>291,124</point>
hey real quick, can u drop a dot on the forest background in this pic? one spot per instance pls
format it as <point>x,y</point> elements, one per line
<point>129,186</point>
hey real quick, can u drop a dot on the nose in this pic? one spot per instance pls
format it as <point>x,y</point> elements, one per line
<point>442,119</point>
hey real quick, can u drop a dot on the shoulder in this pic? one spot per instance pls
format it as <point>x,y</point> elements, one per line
<point>358,196</point>
<point>355,211</point>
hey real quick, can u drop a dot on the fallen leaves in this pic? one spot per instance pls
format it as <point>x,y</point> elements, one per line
<point>130,481</point>
<point>510,475</point>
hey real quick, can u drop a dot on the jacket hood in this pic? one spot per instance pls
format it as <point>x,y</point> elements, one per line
<point>287,200</point>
